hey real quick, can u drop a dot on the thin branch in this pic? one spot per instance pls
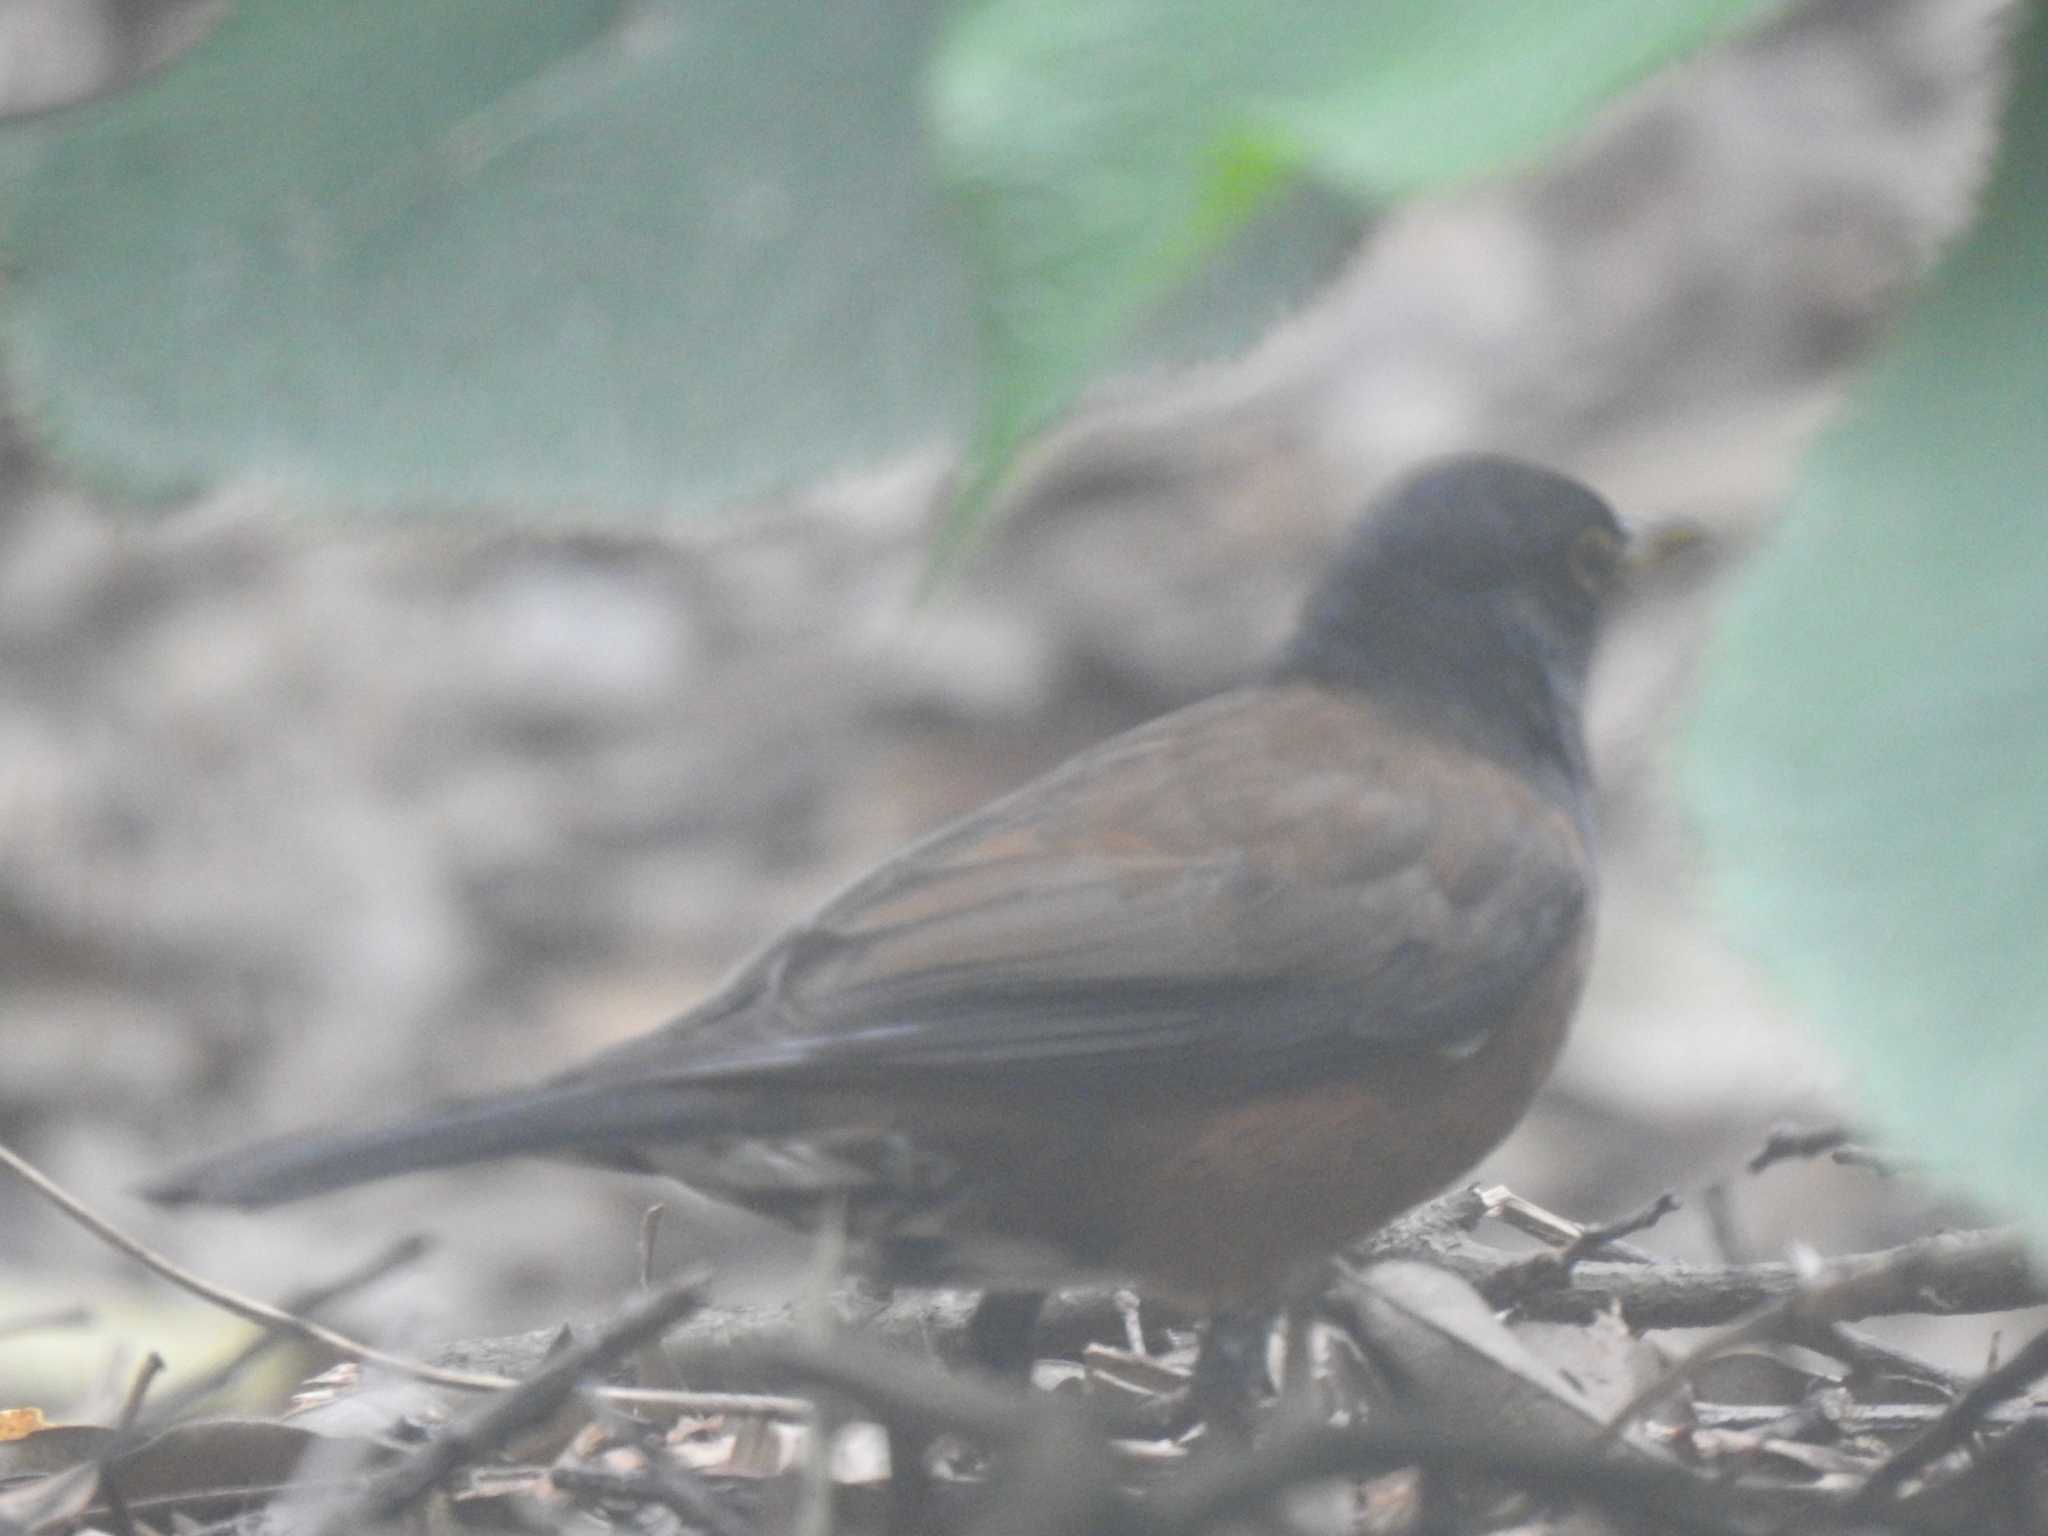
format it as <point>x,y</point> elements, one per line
<point>131,1406</point>
<point>282,1321</point>
<point>650,1230</point>
<point>1854,1155</point>
<point>1865,1352</point>
<point>1850,1418</point>
<point>1908,1278</point>
<point>1561,1232</point>
<point>245,1307</point>
<point>673,1488</point>
<point>1204,1496</point>
<point>1602,1235</point>
<point>1946,1275</point>
<point>526,1403</point>
<point>1787,1142</point>
<point>1542,1271</point>
<point>1957,1423</point>
<point>407,1250</point>
<point>39,1322</point>
<point>705,1405</point>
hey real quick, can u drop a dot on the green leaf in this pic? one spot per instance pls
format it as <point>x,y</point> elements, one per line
<point>1097,152</point>
<point>1870,756</point>
<point>419,252</point>
<point>455,251</point>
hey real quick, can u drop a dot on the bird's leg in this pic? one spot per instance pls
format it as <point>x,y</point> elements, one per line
<point>1001,1331</point>
<point>1230,1373</point>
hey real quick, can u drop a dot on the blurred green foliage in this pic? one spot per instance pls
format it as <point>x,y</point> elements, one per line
<point>407,254</point>
<point>1870,759</point>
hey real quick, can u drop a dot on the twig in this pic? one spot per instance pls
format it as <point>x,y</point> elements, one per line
<point>184,1499</point>
<point>245,1307</point>
<point>526,1403</point>
<point>1957,1423</point>
<point>1870,1355</point>
<point>1945,1275</point>
<point>131,1406</point>
<point>1601,1235</point>
<point>650,1229</point>
<point>118,1512</point>
<point>1561,1232</point>
<point>1717,1204</point>
<point>1948,1274</point>
<point>1786,1142</point>
<point>1901,1279</point>
<point>2009,1469</point>
<point>1853,1155</point>
<point>282,1321</point>
<point>407,1250</point>
<point>1548,1271</point>
<point>1850,1418</point>
<point>673,1488</point>
<point>755,1405</point>
<point>1207,1495</point>
<point>38,1322</point>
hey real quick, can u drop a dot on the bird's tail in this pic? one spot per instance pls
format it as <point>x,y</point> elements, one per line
<point>590,1119</point>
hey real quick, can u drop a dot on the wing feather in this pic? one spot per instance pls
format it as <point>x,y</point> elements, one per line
<point>1258,878</point>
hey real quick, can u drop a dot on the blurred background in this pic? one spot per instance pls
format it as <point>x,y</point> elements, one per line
<point>301,824</point>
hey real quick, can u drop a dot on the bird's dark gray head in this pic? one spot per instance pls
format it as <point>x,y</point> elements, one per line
<point>1472,589</point>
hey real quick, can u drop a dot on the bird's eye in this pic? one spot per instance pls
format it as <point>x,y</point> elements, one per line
<point>1594,558</point>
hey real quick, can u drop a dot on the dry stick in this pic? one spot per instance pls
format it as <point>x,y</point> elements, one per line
<point>407,1250</point>
<point>1852,1346</point>
<point>1576,1239</point>
<point>2012,1464</point>
<point>1957,1423</point>
<point>1786,1142</point>
<point>133,1428</point>
<point>1952,1273</point>
<point>1945,1275</point>
<point>1853,1155</point>
<point>245,1307</point>
<point>191,1498</point>
<point>1206,1495</point>
<point>38,1322</point>
<point>678,1491</point>
<point>124,1422</point>
<point>1548,1271</point>
<point>284,1322</point>
<point>131,1407</point>
<point>1725,1233</point>
<point>1902,1279</point>
<point>650,1230</point>
<point>1861,1351</point>
<point>526,1403</point>
<point>1601,1234</point>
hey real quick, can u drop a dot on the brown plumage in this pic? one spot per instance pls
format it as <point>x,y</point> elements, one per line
<point>1201,1004</point>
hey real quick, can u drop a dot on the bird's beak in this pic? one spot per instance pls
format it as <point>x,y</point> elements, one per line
<point>1654,545</point>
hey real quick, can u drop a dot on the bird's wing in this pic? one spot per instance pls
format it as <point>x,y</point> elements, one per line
<point>1273,877</point>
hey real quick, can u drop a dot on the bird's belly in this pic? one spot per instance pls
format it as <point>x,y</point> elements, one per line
<point>1217,1201</point>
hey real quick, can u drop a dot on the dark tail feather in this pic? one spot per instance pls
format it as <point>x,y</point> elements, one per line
<point>590,1118</point>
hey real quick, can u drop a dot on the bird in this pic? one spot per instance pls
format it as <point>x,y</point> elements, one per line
<point>1193,1009</point>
